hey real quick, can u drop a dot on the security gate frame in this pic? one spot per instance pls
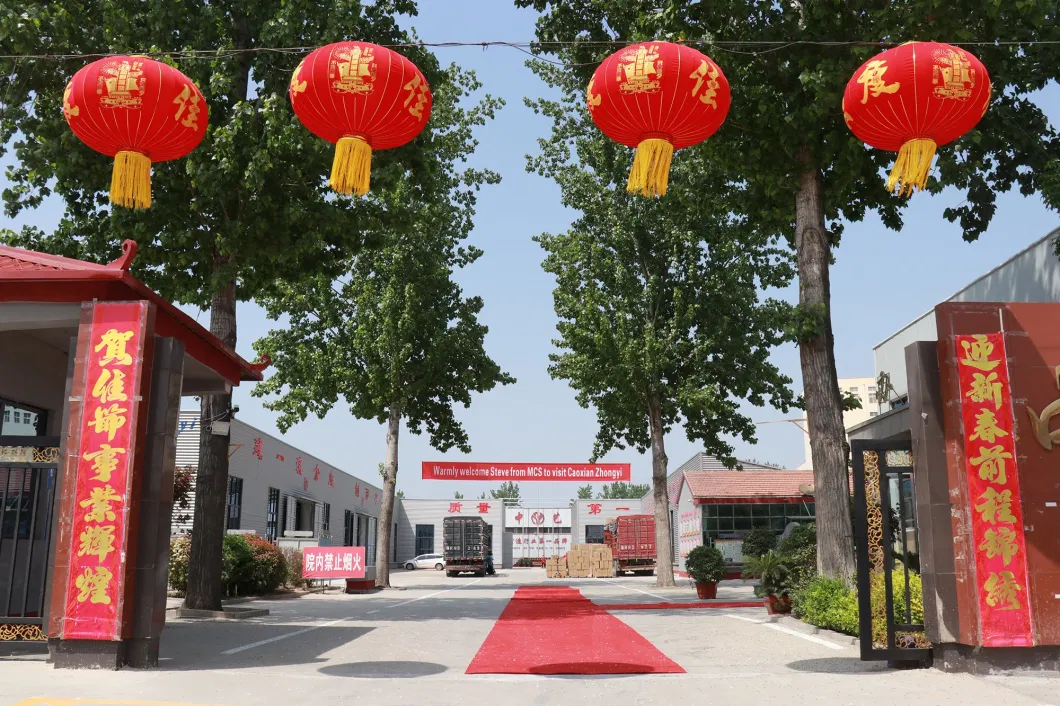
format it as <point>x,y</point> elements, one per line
<point>876,464</point>
<point>23,617</point>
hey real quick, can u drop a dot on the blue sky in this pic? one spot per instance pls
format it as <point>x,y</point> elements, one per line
<point>877,288</point>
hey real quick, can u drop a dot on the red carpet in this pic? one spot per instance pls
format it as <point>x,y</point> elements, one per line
<point>557,630</point>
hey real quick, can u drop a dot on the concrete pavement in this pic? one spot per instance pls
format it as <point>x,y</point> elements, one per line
<point>412,646</point>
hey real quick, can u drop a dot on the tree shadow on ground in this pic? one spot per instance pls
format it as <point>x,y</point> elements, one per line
<point>383,670</point>
<point>271,645</point>
<point>839,665</point>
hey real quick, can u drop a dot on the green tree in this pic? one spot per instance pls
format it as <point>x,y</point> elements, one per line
<point>802,173</point>
<point>509,490</point>
<point>247,209</point>
<point>585,492</point>
<point>401,494</point>
<point>458,495</point>
<point>395,337</point>
<point>660,318</point>
<point>624,491</point>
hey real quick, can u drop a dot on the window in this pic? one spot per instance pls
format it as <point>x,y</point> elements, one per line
<point>424,539</point>
<point>732,520</point>
<point>272,515</point>
<point>19,420</point>
<point>369,547</point>
<point>594,534</point>
<point>872,397</point>
<point>874,414</point>
<point>7,415</point>
<point>16,487</point>
<point>325,519</point>
<point>235,502</point>
<point>393,543</point>
<point>872,388</point>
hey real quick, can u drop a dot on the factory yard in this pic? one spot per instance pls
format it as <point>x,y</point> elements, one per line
<point>416,645</point>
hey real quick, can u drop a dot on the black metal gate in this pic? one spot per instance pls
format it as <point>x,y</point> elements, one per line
<point>28,482</point>
<point>890,604</point>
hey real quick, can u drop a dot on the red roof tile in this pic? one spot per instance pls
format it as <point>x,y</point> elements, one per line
<point>748,484</point>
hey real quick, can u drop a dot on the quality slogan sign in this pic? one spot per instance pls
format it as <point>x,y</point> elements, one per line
<point>552,472</point>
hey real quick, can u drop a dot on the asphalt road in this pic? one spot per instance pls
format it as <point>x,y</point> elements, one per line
<point>412,647</point>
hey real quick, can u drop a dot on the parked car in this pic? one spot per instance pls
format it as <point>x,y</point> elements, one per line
<point>426,561</point>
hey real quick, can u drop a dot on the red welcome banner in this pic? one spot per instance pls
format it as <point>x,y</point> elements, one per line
<point>109,412</point>
<point>333,563</point>
<point>993,487</point>
<point>553,472</point>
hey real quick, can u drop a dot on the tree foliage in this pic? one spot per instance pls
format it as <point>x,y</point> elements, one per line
<point>585,492</point>
<point>623,491</point>
<point>509,490</point>
<point>802,174</point>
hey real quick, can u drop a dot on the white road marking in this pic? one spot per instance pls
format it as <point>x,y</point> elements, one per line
<point>633,588</point>
<point>259,643</point>
<point>788,631</point>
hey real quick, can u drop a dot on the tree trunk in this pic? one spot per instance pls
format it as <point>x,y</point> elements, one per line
<point>205,588</point>
<point>386,512</point>
<point>664,545</point>
<point>824,404</point>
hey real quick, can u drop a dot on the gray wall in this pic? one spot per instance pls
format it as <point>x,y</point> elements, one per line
<point>609,510</point>
<point>1033,275</point>
<point>39,375</point>
<point>410,513</point>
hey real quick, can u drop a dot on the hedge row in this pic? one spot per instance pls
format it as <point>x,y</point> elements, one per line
<point>249,566</point>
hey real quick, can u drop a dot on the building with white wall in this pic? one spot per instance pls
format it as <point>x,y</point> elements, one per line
<point>871,406</point>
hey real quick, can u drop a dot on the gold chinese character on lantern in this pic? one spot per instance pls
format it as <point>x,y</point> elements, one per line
<point>110,387</point>
<point>187,101</point>
<point>1000,542</point>
<point>69,109</point>
<point>92,585</point>
<point>114,342</point>
<point>1002,591</point>
<point>108,420</point>
<point>121,84</point>
<point>640,70</point>
<point>99,501</point>
<point>104,461</point>
<point>996,507</point>
<point>706,75</point>
<point>872,79</point>
<point>417,89</point>
<point>296,85</point>
<point>594,101</point>
<point>991,463</point>
<point>97,541</point>
<point>952,75</point>
<point>986,428</point>
<point>353,70</point>
<point>985,388</point>
<point>977,353</point>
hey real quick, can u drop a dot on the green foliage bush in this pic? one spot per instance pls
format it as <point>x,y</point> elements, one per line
<point>798,552</point>
<point>705,564</point>
<point>827,603</point>
<point>879,601</point>
<point>249,565</point>
<point>759,542</point>
<point>293,568</point>
<point>179,558</point>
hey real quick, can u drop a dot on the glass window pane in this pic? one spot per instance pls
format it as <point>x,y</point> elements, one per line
<point>776,510</point>
<point>760,510</point>
<point>710,510</point>
<point>760,521</point>
<point>811,509</point>
<point>741,510</point>
<point>724,510</point>
<point>710,523</point>
<point>742,523</point>
<point>778,523</point>
<point>725,524</point>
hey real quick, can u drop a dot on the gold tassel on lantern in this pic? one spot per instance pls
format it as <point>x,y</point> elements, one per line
<point>352,166</point>
<point>912,167</point>
<point>651,167</point>
<point>130,182</point>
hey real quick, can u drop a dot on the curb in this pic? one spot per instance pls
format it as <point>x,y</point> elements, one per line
<point>221,615</point>
<point>838,637</point>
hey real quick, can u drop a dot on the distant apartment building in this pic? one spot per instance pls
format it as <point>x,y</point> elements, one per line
<point>865,390</point>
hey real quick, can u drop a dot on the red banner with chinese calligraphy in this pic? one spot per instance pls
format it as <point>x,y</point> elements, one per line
<point>333,563</point>
<point>550,472</point>
<point>104,472</point>
<point>993,487</point>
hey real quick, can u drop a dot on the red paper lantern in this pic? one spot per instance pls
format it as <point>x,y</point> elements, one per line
<point>912,99</point>
<point>657,97</point>
<point>138,111</point>
<point>360,97</point>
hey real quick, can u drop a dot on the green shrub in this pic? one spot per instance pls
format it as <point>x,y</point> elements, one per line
<point>798,552</point>
<point>237,564</point>
<point>705,564</point>
<point>292,559</point>
<point>879,601</point>
<point>770,571</point>
<point>759,541</point>
<point>179,558</point>
<point>268,569</point>
<point>827,603</point>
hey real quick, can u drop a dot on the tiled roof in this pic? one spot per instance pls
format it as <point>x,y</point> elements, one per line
<point>748,484</point>
<point>699,462</point>
<point>20,260</point>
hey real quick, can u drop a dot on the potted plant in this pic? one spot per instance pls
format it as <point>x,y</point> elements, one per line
<point>705,565</point>
<point>771,574</point>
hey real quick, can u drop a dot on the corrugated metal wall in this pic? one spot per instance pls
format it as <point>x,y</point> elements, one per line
<point>410,513</point>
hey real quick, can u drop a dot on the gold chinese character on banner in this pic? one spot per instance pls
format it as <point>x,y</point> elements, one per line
<point>991,463</point>
<point>110,387</point>
<point>188,101</point>
<point>93,584</point>
<point>104,461</point>
<point>706,75</point>
<point>1000,542</point>
<point>108,420</point>
<point>986,428</point>
<point>99,500</point>
<point>97,541</point>
<point>417,89</point>
<point>996,507</point>
<point>640,70</point>
<point>872,79</point>
<point>985,388</point>
<point>1002,591</point>
<point>114,342</point>
<point>977,353</point>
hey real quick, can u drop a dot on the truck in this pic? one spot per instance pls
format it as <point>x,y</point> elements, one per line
<point>632,542</point>
<point>468,545</point>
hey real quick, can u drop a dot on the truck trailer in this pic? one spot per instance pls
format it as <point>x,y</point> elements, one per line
<point>632,542</point>
<point>468,544</point>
